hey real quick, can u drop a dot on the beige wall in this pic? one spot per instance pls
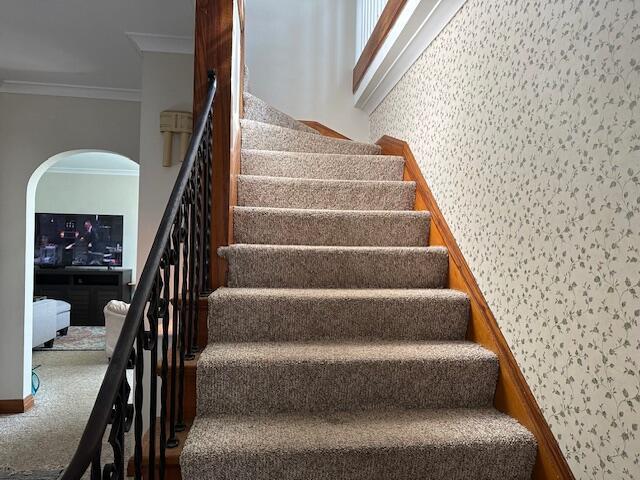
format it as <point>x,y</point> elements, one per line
<point>524,119</point>
<point>167,84</point>
<point>300,56</point>
<point>94,194</point>
<point>34,128</point>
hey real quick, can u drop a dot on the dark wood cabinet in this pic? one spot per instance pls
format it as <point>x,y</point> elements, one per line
<point>87,290</point>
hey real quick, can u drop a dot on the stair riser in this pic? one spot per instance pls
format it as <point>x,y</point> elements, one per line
<point>287,227</point>
<point>445,462</point>
<point>324,268</point>
<point>260,136</point>
<point>274,386</point>
<point>264,319</point>
<point>281,193</point>
<point>337,167</point>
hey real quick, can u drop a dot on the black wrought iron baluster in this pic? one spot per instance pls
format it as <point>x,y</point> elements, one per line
<point>200,213</point>
<point>207,140</point>
<point>193,257</point>
<point>184,327</point>
<point>138,401</point>
<point>163,312</point>
<point>120,423</point>
<point>197,249</point>
<point>152,346</point>
<point>172,442</point>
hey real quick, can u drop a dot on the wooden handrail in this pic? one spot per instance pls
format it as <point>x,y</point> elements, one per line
<point>386,21</point>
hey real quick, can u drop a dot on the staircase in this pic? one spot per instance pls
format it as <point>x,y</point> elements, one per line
<point>335,351</point>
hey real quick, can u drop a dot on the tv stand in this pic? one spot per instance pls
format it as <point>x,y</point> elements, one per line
<point>88,290</point>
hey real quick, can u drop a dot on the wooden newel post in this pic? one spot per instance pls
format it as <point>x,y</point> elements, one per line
<point>213,48</point>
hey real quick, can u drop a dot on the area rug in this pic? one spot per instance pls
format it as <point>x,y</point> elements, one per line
<point>79,339</point>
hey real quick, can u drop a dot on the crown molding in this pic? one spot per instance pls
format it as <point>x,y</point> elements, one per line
<point>63,90</point>
<point>151,42</point>
<point>94,171</point>
<point>418,24</point>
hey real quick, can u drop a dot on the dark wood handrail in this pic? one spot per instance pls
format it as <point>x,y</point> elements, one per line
<point>386,21</point>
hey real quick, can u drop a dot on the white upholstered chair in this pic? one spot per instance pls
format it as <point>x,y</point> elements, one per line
<point>114,314</point>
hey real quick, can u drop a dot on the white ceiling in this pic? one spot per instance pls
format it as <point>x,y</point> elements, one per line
<point>84,42</point>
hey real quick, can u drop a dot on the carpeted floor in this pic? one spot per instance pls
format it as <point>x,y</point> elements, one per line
<point>8,474</point>
<point>79,339</point>
<point>45,438</point>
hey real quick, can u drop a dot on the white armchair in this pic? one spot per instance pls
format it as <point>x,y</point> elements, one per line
<point>114,314</point>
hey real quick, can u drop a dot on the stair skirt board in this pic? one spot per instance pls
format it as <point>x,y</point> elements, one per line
<point>513,395</point>
<point>337,350</point>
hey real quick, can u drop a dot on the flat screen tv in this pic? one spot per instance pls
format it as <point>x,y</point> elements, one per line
<point>66,240</point>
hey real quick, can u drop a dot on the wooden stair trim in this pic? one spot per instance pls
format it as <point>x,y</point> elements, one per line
<point>213,41</point>
<point>324,130</point>
<point>190,385</point>
<point>172,455</point>
<point>202,311</point>
<point>513,395</point>
<point>236,144</point>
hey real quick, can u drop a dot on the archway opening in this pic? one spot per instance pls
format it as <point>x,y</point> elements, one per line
<point>81,216</point>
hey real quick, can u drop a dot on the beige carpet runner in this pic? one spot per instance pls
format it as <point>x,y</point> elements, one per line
<point>336,352</point>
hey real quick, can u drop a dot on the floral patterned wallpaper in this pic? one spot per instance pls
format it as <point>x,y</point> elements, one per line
<point>524,118</point>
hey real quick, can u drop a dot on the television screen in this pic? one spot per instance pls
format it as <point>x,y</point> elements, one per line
<point>63,240</point>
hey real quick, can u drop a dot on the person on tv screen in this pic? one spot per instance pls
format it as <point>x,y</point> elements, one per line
<point>89,235</point>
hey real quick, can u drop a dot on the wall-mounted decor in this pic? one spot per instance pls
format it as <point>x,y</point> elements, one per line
<point>174,122</point>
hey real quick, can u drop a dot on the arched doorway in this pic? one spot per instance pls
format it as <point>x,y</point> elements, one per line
<point>89,184</point>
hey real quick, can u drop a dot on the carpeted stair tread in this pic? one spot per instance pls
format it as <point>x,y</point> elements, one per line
<point>288,226</point>
<point>303,266</point>
<point>274,314</point>
<point>278,192</point>
<point>452,444</point>
<point>263,136</point>
<point>258,110</point>
<point>254,378</point>
<point>321,165</point>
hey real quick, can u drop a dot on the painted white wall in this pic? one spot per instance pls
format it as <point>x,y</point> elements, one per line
<point>33,129</point>
<point>98,194</point>
<point>167,84</point>
<point>300,56</point>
